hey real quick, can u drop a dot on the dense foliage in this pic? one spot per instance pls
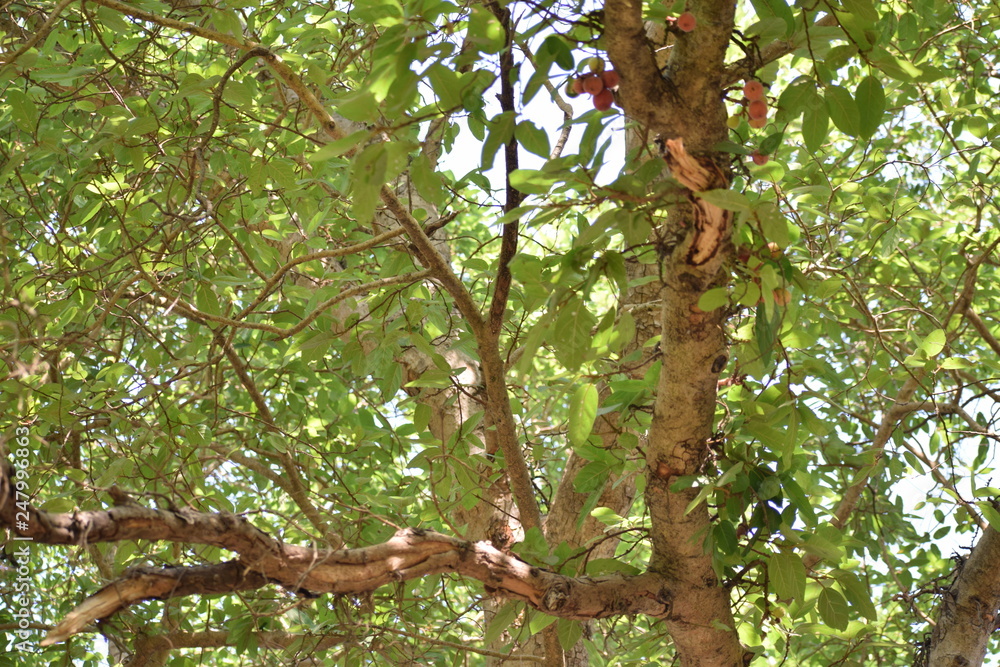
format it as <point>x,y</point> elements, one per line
<point>218,298</point>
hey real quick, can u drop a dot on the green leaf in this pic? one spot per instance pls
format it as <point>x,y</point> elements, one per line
<point>778,9</point>
<point>990,513</point>
<point>843,110</point>
<point>799,499</point>
<point>977,126</point>
<point>539,622</point>
<point>503,619</point>
<point>815,128</point>
<point>23,109</point>
<point>870,99</point>
<point>727,199</point>
<point>569,632</point>
<point>766,331</point>
<point>582,413</point>
<point>428,182</point>
<point>570,336</point>
<point>607,516</point>
<point>798,97</point>
<point>713,298</point>
<point>726,541</point>
<point>560,50</point>
<point>934,343</point>
<point>501,130</point>
<point>863,9</point>
<point>857,593</point>
<point>368,177</point>
<point>772,142</point>
<point>591,477</point>
<point>532,182</point>
<point>822,547</point>
<point>895,67</point>
<point>532,138</point>
<point>120,467</point>
<point>485,31</point>
<point>446,84</point>
<point>787,574</point>
<point>360,106</point>
<point>833,609</point>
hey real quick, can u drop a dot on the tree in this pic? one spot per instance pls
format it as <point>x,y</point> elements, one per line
<point>368,333</point>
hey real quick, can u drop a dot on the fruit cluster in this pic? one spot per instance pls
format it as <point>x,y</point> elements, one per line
<point>756,110</point>
<point>599,82</point>
<point>753,91</point>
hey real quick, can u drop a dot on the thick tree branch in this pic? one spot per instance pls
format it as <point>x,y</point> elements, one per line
<point>684,105</point>
<point>776,50</point>
<point>967,617</point>
<point>984,332</point>
<point>262,559</point>
<point>155,584</point>
<point>643,92</point>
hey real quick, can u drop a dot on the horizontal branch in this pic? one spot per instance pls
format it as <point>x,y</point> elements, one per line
<point>147,583</point>
<point>409,554</point>
<point>776,50</point>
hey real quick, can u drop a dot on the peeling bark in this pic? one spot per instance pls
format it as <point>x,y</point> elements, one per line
<point>411,553</point>
<point>683,104</point>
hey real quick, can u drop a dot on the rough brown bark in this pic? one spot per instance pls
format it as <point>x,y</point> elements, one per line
<point>968,614</point>
<point>684,106</point>
<point>264,560</point>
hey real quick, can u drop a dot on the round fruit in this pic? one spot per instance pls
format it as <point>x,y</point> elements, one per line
<point>603,100</point>
<point>782,297</point>
<point>593,84</point>
<point>578,85</point>
<point>570,90</point>
<point>610,78</point>
<point>759,158</point>
<point>774,249</point>
<point>757,109</point>
<point>686,22</point>
<point>753,90</point>
<point>596,64</point>
<point>733,122</point>
<point>757,123</point>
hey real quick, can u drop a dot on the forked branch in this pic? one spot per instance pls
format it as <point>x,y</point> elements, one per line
<point>263,560</point>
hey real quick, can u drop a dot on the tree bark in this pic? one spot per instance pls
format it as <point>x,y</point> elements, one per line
<point>967,616</point>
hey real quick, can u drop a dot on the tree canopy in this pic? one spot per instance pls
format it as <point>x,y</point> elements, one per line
<point>454,332</point>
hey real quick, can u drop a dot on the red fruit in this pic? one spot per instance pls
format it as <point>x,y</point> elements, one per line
<point>610,78</point>
<point>782,297</point>
<point>757,123</point>
<point>753,90</point>
<point>686,22</point>
<point>603,100</point>
<point>593,84</point>
<point>757,109</point>
<point>578,85</point>
<point>759,158</point>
